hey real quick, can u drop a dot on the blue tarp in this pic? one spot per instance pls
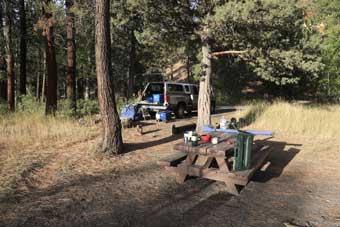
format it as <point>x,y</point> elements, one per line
<point>130,112</point>
<point>208,128</point>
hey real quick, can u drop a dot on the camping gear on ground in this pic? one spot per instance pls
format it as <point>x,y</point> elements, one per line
<point>214,140</point>
<point>130,112</point>
<point>242,151</point>
<point>165,115</point>
<point>208,128</point>
<point>158,116</point>
<point>206,138</point>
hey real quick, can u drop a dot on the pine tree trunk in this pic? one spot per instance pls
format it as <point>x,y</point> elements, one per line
<point>37,91</point>
<point>43,85</point>
<point>71,55</point>
<point>204,102</point>
<point>23,47</point>
<point>112,138</point>
<point>9,57</point>
<point>51,64</point>
<point>3,84</point>
<point>87,80</point>
<point>132,64</point>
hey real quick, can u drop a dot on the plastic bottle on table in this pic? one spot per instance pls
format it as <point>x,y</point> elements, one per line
<point>223,123</point>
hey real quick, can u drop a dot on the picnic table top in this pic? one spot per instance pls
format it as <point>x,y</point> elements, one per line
<point>226,143</point>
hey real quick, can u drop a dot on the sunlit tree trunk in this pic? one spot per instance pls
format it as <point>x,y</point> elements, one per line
<point>204,102</point>
<point>9,57</point>
<point>37,92</point>
<point>112,138</point>
<point>23,47</point>
<point>43,85</point>
<point>71,55</point>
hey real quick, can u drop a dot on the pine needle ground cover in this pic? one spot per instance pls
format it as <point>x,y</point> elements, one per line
<point>26,140</point>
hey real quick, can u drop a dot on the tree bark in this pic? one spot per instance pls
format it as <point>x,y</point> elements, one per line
<point>132,64</point>
<point>37,91</point>
<point>71,55</point>
<point>3,74</point>
<point>51,64</point>
<point>43,85</point>
<point>112,138</point>
<point>9,57</point>
<point>23,48</point>
<point>87,80</point>
<point>204,102</point>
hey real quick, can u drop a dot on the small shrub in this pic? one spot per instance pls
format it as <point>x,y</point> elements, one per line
<point>65,108</point>
<point>3,107</point>
<point>87,107</point>
<point>29,104</point>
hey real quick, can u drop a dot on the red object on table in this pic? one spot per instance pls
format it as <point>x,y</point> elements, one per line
<point>206,138</point>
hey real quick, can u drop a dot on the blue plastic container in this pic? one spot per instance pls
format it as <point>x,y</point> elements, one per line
<point>159,98</point>
<point>149,98</point>
<point>165,115</point>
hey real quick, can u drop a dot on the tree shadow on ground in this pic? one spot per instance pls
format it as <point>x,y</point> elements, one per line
<point>151,131</point>
<point>217,112</point>
<point>129,147</point>
<point>279,158</point>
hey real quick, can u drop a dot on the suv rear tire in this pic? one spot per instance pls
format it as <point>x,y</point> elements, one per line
<point>180,111</point>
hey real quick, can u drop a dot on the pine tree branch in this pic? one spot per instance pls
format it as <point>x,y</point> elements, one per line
<point>221,53</point>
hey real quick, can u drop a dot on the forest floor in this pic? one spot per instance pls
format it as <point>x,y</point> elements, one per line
<point>75,187</point>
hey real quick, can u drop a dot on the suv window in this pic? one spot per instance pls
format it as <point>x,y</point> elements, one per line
<point>156,88</point>
<point>195,90</point>
<point>175,88</point>
<point>187,88</point>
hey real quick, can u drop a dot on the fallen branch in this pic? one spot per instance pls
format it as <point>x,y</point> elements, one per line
<point>226,52</point>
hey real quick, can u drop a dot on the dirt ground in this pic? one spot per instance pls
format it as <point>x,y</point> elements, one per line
<point>74,187</point>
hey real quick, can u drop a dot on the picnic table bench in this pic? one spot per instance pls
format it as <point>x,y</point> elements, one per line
<point>214,162</point>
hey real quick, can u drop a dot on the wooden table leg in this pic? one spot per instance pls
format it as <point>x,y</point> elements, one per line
<point>222,164</point>
<point>182,169</point>
<point>231,188</point>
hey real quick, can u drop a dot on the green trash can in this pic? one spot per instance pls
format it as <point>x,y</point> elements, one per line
<point>242,151</point>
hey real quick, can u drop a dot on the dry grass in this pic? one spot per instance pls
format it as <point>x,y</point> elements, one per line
<point>26,141</point>
<point>30,142</point>
<point>322,121</point>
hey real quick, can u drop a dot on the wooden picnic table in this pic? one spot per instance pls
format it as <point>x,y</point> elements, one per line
<point>214,161</point>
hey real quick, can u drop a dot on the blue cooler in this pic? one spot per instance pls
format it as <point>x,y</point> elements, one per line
<point>165,115</point>
<point>158,98</point>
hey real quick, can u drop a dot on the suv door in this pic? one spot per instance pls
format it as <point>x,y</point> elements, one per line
<point>194,96</point>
